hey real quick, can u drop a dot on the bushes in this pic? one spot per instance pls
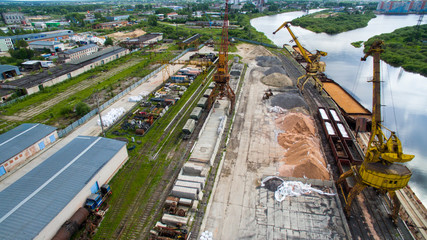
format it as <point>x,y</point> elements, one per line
<point>405,48</point>
<point>333,23</point>
<point>82,109</point>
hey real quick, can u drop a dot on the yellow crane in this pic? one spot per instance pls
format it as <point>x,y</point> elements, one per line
<point>380,168</point>
<point>314,65</point>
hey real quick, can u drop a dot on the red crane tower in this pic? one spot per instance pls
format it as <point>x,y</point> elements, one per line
<point>222,76</point>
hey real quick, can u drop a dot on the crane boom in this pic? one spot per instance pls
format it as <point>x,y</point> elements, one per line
<point>304,53</point>
<point>314,65</point>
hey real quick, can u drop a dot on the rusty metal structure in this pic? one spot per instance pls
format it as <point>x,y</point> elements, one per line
<point>222,76</point>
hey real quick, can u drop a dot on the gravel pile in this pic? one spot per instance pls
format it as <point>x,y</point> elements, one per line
<point>277,80</point>
<point>275,69</point>
<point>288,100</point>
<point>267,61</point>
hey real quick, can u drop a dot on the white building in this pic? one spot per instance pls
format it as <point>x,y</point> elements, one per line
<point>14,17</point>
<point>5,44</point>
<point>77,53</point>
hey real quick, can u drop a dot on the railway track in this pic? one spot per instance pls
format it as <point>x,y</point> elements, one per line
<point>370,213</point>
<point>142,212</point>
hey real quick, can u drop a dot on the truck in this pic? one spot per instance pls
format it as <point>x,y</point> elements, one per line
<point>95,200</point>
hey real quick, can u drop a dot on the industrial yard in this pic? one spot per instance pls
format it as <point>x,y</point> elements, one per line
<point>206,145</point>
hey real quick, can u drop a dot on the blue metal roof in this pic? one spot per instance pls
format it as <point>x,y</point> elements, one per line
<point>32,202</point>
<point>22,137</point>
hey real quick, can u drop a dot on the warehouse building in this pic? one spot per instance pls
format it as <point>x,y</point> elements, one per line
<point>14,17</point>
<point>22,142</point>
<point>37,204</point>
<point>77,53</point>
<point>8,71</point>
<point>45,36</point>
<point>34,83</point>
<point>50,45</point>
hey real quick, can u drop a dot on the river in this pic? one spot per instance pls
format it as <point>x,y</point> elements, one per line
<point>404,94</point>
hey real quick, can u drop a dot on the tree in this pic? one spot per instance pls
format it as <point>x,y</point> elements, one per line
<point>109,41</point>
<point>152,20</point>
<point>21,44</point>
<point>82,108</point>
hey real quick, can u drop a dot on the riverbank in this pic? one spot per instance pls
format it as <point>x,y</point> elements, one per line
<point>332,22</point>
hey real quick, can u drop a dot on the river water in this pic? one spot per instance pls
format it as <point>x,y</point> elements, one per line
<point>404,94</point>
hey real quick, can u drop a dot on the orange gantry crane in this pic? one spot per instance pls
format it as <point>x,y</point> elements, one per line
<point>222,76</point>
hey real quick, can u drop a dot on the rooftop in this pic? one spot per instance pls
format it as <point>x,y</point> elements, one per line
<point>33,80</point>
<point>30,203</point>
<point>42,35</point>
<point>4,68</point>
<point>46,43</point>
<point>22,137</point>
<point>74,50</point>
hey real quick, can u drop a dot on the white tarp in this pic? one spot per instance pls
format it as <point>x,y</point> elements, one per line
<point>276,109</point>
<point>135,98</point>
<point>206,235</point>
<point>292,188</point>
<point>111,117</point>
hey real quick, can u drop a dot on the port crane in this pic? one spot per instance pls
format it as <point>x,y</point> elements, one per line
<point>314,65</point>
<point>222,76</point>
<point>380,168</point>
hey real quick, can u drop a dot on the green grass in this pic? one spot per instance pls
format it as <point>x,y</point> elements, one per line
<point>53,114</point>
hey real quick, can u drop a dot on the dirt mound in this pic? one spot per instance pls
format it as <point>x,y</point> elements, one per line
<point>303,156</point>
<point>259,51</point>
<point>277,80</point>
<point>123,35</point>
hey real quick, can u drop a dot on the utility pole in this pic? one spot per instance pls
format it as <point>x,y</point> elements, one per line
<point>99,113</point>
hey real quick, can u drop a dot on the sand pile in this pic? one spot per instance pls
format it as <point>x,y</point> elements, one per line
<point>259,51</point>
<point>303,156</point>
<point>275,69</point>
<point>277,80</point>
<point>123,35</point>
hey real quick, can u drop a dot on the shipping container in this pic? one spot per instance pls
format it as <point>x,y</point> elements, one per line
<point>184,192</point>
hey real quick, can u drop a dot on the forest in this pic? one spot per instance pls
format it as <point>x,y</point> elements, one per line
<point>405,47</point>
<point>334,22</point>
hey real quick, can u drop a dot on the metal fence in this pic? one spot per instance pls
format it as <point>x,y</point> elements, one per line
<point>255,42</point>
<point>85,118</point>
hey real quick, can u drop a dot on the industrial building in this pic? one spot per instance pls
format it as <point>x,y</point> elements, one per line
<point>77,53</point>
<point>48,195</point>
<point>110,25</point>
<point>46,36</point>
<point>14,17</point>
<point>53,46</point>
<point>33,83</point>
<point>5,44</point>
<point>22,142</point>
<point>117,18</point>
<point>401,7</point>
<point>8,71</point>
<point>144,40</point>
